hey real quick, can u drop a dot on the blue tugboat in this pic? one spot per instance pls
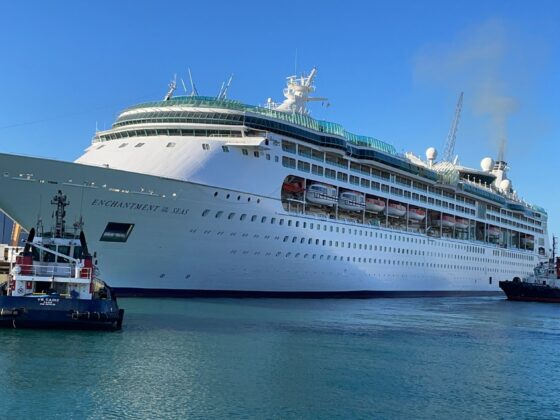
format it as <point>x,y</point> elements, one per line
<point>53,283</point>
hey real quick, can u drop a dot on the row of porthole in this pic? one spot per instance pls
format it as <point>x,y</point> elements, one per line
<point>381,261</point>
<point>318,242</point>
<point>188,276</point>
<point>336,243</point>
<point>469,248</point>
<point>228,196</point>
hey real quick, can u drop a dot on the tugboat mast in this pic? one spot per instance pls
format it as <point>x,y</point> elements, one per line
<point>61,201</point>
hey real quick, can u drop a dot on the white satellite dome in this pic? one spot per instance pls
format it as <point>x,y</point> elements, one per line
<point>431,153</point>
<point>487,164</point>
<point>505,185</point>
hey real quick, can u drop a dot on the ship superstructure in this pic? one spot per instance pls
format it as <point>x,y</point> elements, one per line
<point>212,196</point>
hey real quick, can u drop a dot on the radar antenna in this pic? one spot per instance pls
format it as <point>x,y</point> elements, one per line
<point>172,87</point>
<point>297,94</point>
<point>449,148</point>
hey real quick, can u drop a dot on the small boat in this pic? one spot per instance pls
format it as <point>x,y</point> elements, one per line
<point>293,185</point>
<point>351,201</point>
<point>542,286</point>
<point>321,194</point>
<point>375,205</point>
<point>395,210</point>
<point>446,221</point>
<point>461,223</point>
<point>493,232</point>
<point>53,283</point>
<point>416,214</point>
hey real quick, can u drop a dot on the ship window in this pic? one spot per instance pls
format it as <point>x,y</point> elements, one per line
<point>101,146</point>
<point>256,153</point>
<point>272,221</point>
<point>288,162</point>
<point>243,216</point>
<point>123,145</point>
<point>231,215</point>
<point>267,156</point>
<point>219,214</point>
<point>253,218</point>
<point>63,249</point>
<point>170,144</point>
<point>245,152</point>
<point>205,146</point>
<point>303,166</point>
<point>225,148</point>
<point>263,219</point>
<point>117,232</point>
<point>139,144</point>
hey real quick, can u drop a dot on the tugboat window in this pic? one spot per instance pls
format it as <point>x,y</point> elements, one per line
<point>117,232</point>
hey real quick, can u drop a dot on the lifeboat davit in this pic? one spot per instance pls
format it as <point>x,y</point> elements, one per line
<point>446,221</point>
<point>493,232</point>
<point>375,205</point>
<point>461,223</point>
<point>395,210</point>
<point>321,194</point>
<point>352,201</point>
<point>416,214</point>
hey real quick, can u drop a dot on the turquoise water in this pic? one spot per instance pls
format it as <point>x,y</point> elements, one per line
<point>273,358</point>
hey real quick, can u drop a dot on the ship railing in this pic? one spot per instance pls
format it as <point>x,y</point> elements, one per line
<point>53,270</point>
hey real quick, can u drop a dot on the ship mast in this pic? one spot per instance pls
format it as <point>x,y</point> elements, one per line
<point>61,201</point>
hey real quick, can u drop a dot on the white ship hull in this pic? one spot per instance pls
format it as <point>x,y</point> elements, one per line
<point>185,242</point>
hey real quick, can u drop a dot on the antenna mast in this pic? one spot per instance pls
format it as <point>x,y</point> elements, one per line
<point>194,92</point>
<point>449,149</point>
<point>223,91</point>
<point>172,87</point>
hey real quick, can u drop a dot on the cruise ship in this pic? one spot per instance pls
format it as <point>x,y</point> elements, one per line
<point>207,196</point>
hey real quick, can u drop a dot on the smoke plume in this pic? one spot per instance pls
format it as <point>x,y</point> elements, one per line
<point>475,63</point>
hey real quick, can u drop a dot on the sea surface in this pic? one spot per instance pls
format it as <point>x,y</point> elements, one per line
<point>450,358</point>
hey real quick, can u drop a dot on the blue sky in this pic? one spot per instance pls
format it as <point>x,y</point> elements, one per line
<point>392,70</point>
